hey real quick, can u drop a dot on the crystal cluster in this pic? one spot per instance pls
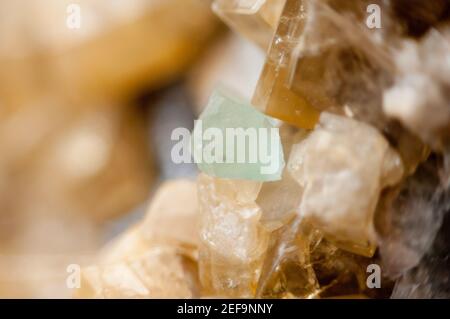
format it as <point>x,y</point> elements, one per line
<point>364,122</point>
<point>359,93</point>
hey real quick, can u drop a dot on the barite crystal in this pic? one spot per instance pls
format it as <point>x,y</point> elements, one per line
<point>233,241</point>
<point>324,58</point>
<point>273,94</point>
<point>287,271</point>
<point>234,140</point>
<point>343,165</point>
<point>301,263</point>
<point>255,19</point>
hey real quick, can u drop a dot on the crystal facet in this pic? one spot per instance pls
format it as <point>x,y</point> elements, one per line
<point>234,140</point>
<point>233,241</point>
<point>343,165</point>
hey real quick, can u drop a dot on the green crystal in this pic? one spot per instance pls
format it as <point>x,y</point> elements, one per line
<point>233,140</point>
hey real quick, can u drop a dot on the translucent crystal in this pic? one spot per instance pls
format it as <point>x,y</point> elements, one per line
<point>341,65</point>
<point>287,270</point>
<point>300,263</point>
<point>323,57</point>
<point>245,145</point>
<point>255,19</point>
<point>343,165</point>
<point>233,242</point>
<point>273,95</point>
<point>279,201</point>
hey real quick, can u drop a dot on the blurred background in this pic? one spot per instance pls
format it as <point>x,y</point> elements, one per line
<point>90,91</point>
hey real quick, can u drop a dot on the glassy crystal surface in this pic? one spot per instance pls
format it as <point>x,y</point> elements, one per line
<point>255,19</point>
<point>324,58</point>
<point>233,241</point>
<point>343,165</point>
<point>273,94</point>
<point>287,271</point>
<point>279,201</point>
<point>232,139</point>
<point>301,263</point>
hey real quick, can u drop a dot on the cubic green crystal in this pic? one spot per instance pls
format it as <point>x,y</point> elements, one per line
<point>233,140</point>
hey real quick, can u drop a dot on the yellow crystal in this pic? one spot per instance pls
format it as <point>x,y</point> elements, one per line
<point>233,242</point>
<point>273,94</point>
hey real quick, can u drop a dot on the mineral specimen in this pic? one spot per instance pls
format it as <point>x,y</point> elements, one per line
<point>287,271</point>
<point>343,165</point>
<point>371,165</point>
<point>363,116</point>
<point>323,59</point>
<point>233,140</point>
<point>233,241</point>
<point>279,201</point>
<point>301,263</point>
